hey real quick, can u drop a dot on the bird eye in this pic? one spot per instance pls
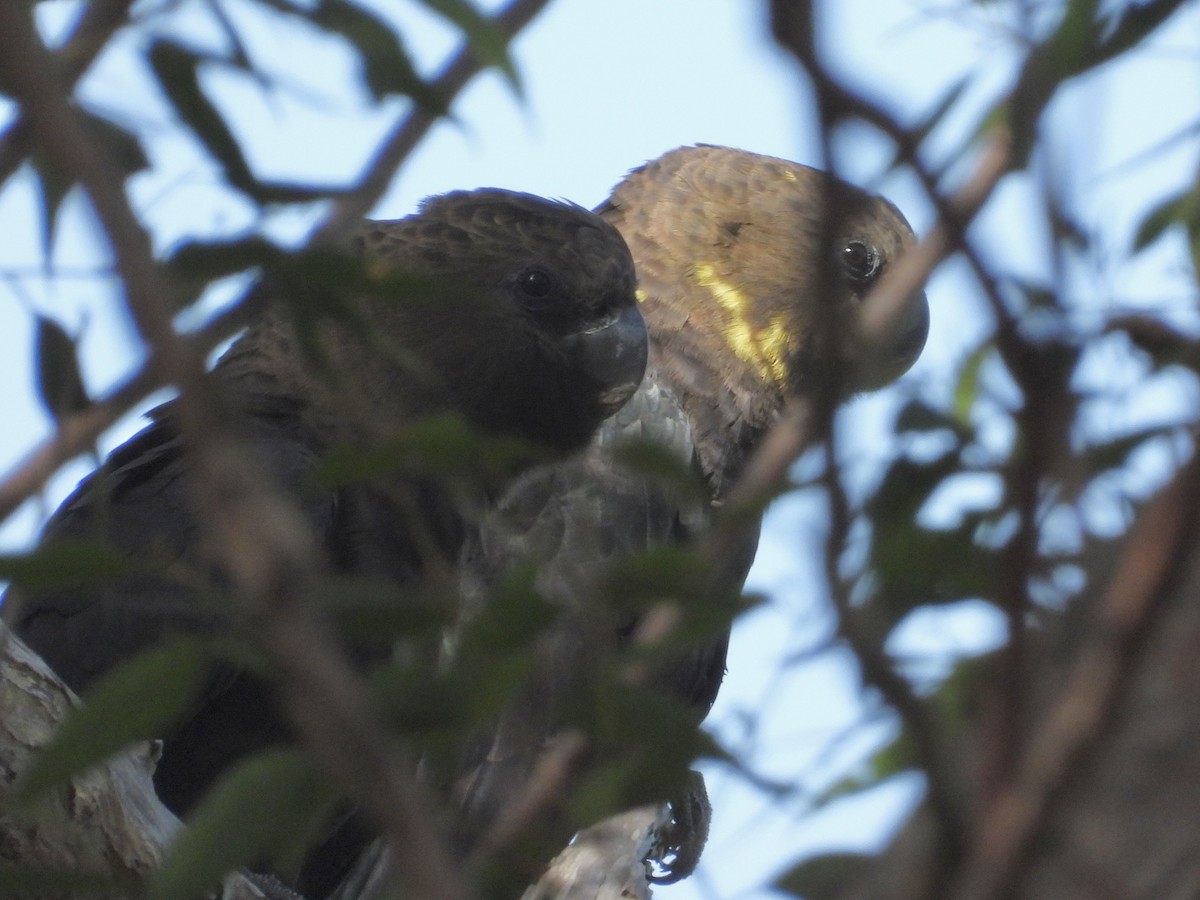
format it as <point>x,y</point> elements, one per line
<point>861,261</point>
<point>535,283</point>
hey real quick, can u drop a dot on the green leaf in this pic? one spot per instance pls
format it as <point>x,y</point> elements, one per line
<point>652,460</point>
<point>371,609</point>
<point>1180,209</point>
<point>645,744</point>
<point>426,708</point>
<point>920,567</point>
<point>205,261</point>
<point>941,108</point>
<point>443,445</point>
<point>23,883</point>
<point>966,391</point>
<point>54,188</point>
<point>64,564</point>
<point>514,616</point>
<point>387,67</point>
<point>177,70</point>
<point>1073,41</point>
<point>699,599</point>
<point>59,381</point>
<point>912,566</point>
<point>962,696</point>
<point>135,702</point>
<point>1082,42</point>
<point>123,147</point>
<point>896,756</point>
<point>485,38</point>
<point>267,808</point>
<point>822,876</point>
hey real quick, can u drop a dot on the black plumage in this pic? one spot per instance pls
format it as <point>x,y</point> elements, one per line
<point>517,313</point>
<point>752,272</point>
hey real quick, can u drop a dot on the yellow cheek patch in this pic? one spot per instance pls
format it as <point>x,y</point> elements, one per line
<point>763,348</point>
<point>640,295</point>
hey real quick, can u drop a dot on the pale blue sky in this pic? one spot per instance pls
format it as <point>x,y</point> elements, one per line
<point>609,85</point>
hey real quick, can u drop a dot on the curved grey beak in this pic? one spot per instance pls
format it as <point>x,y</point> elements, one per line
<point>614,355</point>
<point>913,331</point>
<point>889,356</point>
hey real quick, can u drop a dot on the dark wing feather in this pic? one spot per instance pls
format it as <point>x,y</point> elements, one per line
<point>139,504</point>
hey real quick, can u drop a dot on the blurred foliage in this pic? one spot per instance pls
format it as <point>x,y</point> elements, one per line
<point>266,809</point>
<point>1024,377</point>
<point>59,382</point>
<point>1033,381</point>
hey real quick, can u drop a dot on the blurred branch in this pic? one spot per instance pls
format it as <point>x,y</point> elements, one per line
<point>802,425</point>
<point>838,102</point>
<point>796,430</point>
<point>75,434</point>
<point>262,539</point>
<point>794,29</point>
<point>101,19</point>
<point>1147,571</point>
<point>1019,781</point>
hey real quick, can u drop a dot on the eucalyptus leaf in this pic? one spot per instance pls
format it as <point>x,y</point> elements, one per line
<point>824,876</point>
<point>59,382</point>
<point>265,809</point>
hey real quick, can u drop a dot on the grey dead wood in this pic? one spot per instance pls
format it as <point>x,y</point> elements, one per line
<point>107,821</point>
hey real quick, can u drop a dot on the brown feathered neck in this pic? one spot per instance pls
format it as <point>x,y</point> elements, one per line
<point>727,414</point>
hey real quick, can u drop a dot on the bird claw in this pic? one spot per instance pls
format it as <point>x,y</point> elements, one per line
<point>676,853</point>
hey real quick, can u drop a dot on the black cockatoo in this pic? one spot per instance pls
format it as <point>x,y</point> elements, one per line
<point>516,312</point>
<point>752,276</point>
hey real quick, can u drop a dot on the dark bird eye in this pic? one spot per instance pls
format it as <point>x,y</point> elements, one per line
<point>535,283</point>
<point>861,261</point>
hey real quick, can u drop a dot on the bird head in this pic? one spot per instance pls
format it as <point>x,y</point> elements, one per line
<point>530,326</point>
<point>766,266</point>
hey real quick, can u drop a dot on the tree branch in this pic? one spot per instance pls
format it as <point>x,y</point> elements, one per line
<point>104,829</point>
<point>100,20</point>
<point>263,541</point>
<point>1077,718</point>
